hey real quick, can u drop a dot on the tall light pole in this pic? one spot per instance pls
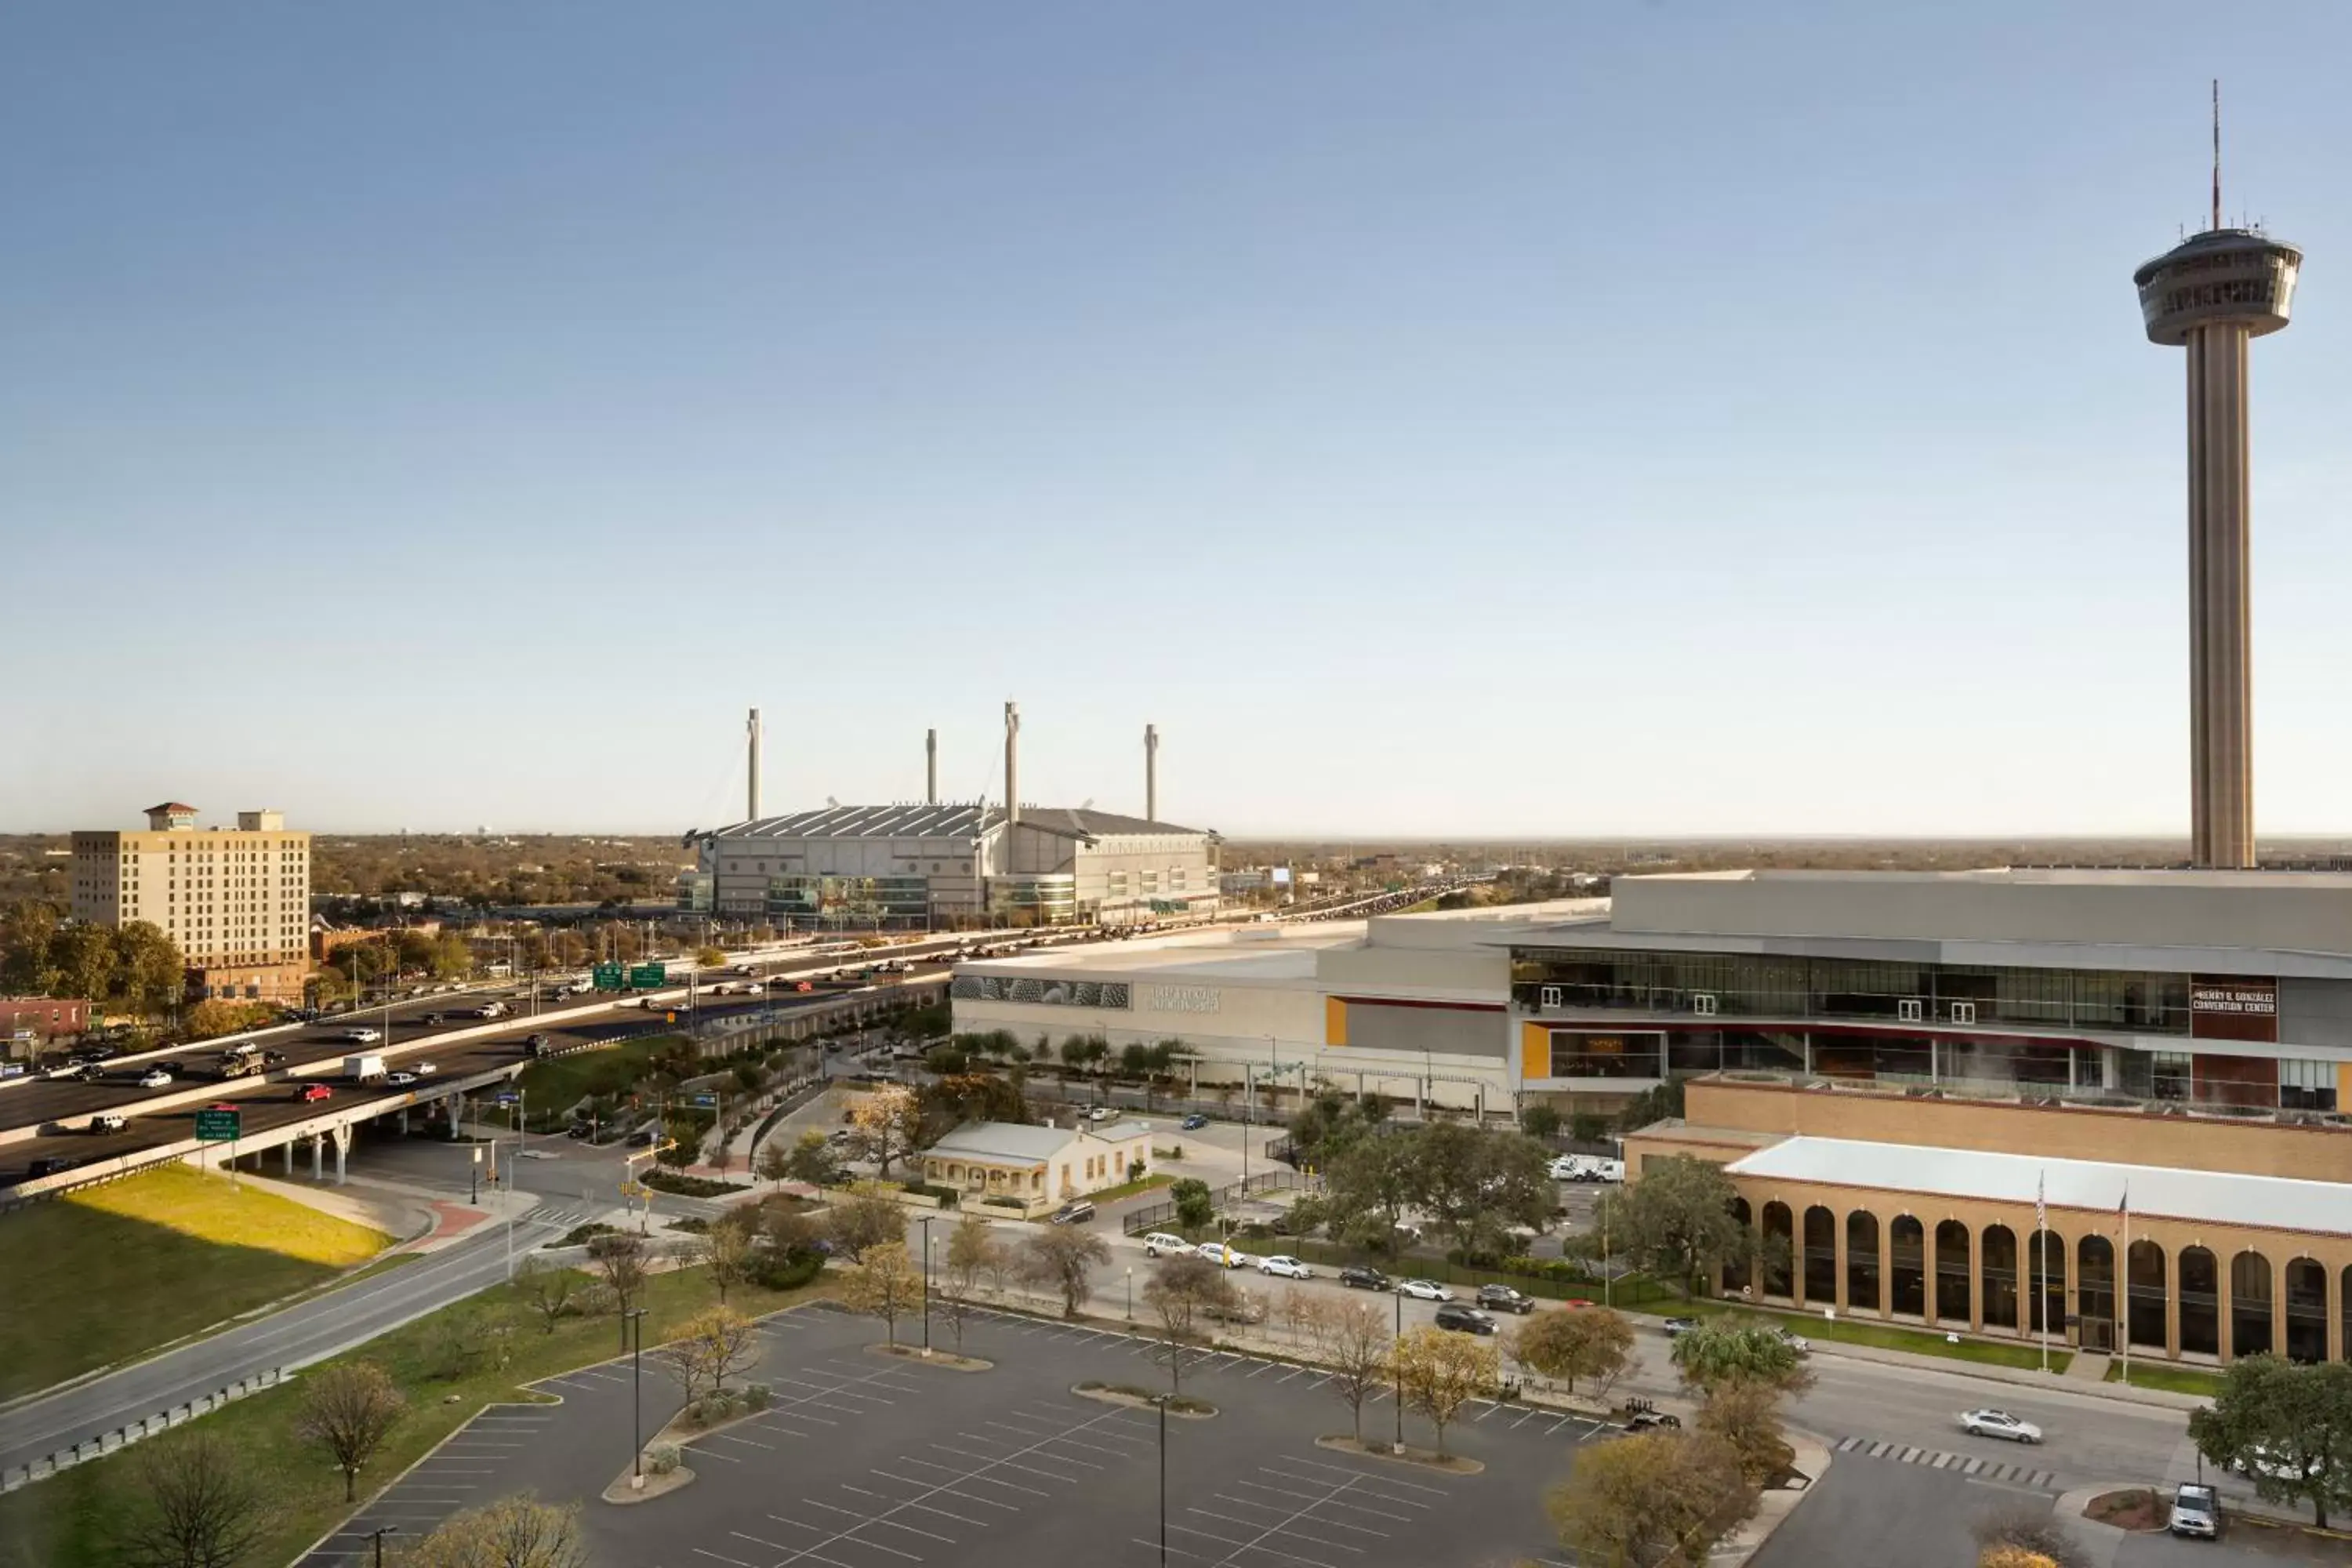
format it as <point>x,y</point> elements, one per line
<point>1396,1365</point>
<point>377,1535</point>
<point>926,1223</point>
<point>1162,1401</point>
<point>1130,1293</point>
<point>637,1398</point>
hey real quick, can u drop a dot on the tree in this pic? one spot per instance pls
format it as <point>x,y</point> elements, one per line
<point>1370,1187</point>
<point>886,1283</point>
<point>1727,1349</point>
<point>1475,1183</point>
<point>812,1160</point>
<point>1186,1287</point>
<point>865,1217</point>
<point>1589,1343</point>
<point>349,1408</point>
<point>1588,1127</point>
<point>2023,1536</point>
<point>2288,1426</point>
<point>1745,1416</point>
<point>620,1261</point>
<point>1676,1221</point>
<point>1195,1207</point>
<point>774,1163</point>
<point>711,957</point>
<point>727,1249</point>
<point>715,1344</point>
<point>150,972</point>
<point>1059,1257</point>
<point>1352,1339</point>
<point>1437,1373</point>
<point>1663,1500</point>
<point>196,1505</point>
<point>548,1288</point>
<point>211,1018</point>
<point>886,1125</point>
<point>1540,1120</point>
<point>517,1532</point>
<point>973,1251</point>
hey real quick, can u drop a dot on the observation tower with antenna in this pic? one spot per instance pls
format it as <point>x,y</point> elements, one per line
<point>2213,294</point>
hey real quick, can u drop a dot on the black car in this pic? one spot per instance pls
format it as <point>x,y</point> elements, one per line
<point>273,1059</point>
<point>642,1137</point>
<point>1464,1319</point>
<point>580,1130</point>
<point>1503,1299</point>
<point>1356,1277</point>
<point>1078,1213</point>
<point>49,1165</point>
<point>1677,1327</point>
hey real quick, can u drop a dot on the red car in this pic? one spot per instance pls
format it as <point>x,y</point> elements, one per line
<point>310,1091</point>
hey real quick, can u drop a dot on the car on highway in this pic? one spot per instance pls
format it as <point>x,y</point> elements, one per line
<point>310,1092</point>
<point>273,1059</point>
<point>154,1077</point>
<point>1357,1276</point>
<point>2196,1512</point>
<point>107,1121</point>
<point>1504,1298</point>
<point>1677,1327</point>
<point>90,1072</point>
<point>50,1164</point>
<point>1101,1113</point>
<point>1193,1122</point>
<point>400,1079</point>
<point>1287,1267</point>
<point>1160,1241</point>
<point>429,1019</point>
<point>1423,1290</point>
<point>1999,1424</point>
<point>362,1036</point>
<point>1464,1319</point>
<point>423,1069</point>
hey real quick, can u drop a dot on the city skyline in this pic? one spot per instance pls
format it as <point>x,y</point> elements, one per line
<point>1671,422</point>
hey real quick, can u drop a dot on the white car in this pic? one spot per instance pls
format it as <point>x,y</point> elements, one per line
<point>1160,1241</point>
<point>1225,1257</point>
<point>400,1079</point>
<point>1290,1267</point>
<point>1567,1168</point>
<point>154,1077</point>
<point>1423,1290</point>
<point>1999,1424</point>
<point>1101,1113</point>
<point>422,1068</point>
<point>362,1036</point>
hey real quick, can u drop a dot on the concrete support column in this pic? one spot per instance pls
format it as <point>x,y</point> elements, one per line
<point>342,1134</point>
<point>2222,812</point>
<point>403,1122</point>
<point>2222,1315</point>
<point>2172,1304</point>
<point>318,1158</point>
<point>2334,1315</point>
<point>2278,1308</point>
<point>1797,1254</point>
<point>1837,1239</point>
<point>1976,1280</point>
<point>289,1147</point>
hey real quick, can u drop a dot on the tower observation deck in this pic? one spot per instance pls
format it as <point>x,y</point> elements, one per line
<point>2213,294</point>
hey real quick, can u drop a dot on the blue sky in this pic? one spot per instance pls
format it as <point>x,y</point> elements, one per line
<point>1521,419</point>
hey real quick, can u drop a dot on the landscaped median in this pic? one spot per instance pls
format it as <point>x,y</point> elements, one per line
<point>448,1365</point>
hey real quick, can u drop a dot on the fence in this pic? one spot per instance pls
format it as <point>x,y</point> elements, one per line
<point>122,1437</point>
<point>1151,1216</point>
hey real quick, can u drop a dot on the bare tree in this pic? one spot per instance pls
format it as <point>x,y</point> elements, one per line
<point>711,1347</point>
<point>866,1217</point>
<point>548,1288</point>
<point>198,1506</point>
<point>774,1163</point>
<point>1186,1289</point>
<point>727,1249</point>
<point>620,1261</point>
<point>517,1532</point>
<point>1352,1339</point>
<point>349,1408</point>
<point>1061,1257</point>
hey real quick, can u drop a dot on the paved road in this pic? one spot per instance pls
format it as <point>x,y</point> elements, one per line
<point>300,1334</point>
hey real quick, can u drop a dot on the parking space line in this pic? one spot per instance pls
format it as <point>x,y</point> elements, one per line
<point>1295,1372</point>
<point>730,1437</point>
<point>992,1480</point>
<point>1361,1476</point>
<point>1241,1546</point>
<point>1269,1367</point>
<point>894,1524</point>
<point>695,1448</point>
<point>983,1501</point>
<point>1008,1464</point>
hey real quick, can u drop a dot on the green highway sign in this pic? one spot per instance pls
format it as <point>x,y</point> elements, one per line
<point>648,977</point>
<point>216,1126</point>
<point>607,977</point>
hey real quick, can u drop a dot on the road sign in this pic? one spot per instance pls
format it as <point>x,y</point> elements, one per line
<point>648,977</point>
<point>217,1126</point>
<point>606,976</point>
<point>706,1099</point>
<point>506,1099</point>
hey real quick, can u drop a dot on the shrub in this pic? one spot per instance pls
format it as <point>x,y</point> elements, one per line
<point>759,1396</point>
<point>786,1271</point>
<point>689,1186</point>
<point>661,1458</point>
<point>693,1224</point>
<point>581,1234</point>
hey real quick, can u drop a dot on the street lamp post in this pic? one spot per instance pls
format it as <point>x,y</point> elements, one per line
<point>377,1535</point>
<point>1130,1293</point>
<point>474,1177</point>
<point>926,1223</point>
<point>1396,1365</point>
<point>1162,1401</point>
<point>638,1396</point>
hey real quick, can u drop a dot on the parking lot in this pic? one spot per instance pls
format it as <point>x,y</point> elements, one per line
<point>865,1461</point>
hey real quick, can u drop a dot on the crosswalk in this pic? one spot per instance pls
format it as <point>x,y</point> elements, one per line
<point>1974,1467</point>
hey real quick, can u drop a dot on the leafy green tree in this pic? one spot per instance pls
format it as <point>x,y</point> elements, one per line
<point>1540,1120</point>
<point>1676,1220</point>
<point>1723,1351</point>
<point>1588,1127</point>
<point>1369,1188</point>
<point>86,963</point>
<point>811,1160</point>
<point>1589,1343</point>
<point>2288,1425</point>
<point>1195,1207</point>
<point>1663,1500</point>
<point>25,937</point>
<point>150,970</point>
<point>1475,1183</point>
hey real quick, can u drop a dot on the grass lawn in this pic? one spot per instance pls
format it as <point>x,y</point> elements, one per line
<point>1129,1189</point>
<point>1887,1336</point>
<point>561,1082</point>
<point>133,1265</point>
<point>62,1523</point>
<point>2174,1379</point>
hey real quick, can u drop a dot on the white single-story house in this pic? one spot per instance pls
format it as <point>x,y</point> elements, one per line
<point>1037,1166</point>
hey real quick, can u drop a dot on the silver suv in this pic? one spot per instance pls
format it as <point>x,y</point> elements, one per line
<point>2195,1511</point>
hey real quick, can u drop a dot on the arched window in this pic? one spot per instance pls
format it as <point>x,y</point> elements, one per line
<point>2045,1273</point>
<point>1778,1248</point>
<point>2306,1310</point>
<point>1821,1255</point>
<point>1735,1268</point>
<point>1952,1271</point>
<point>2147,1290</point>
<point>2201,1302</point>
<point>2094,1293</point>
<point>2000,1277</point>
<point>2250,1304</point>
<point>1906,1266</point>
<point>1862,1262</point>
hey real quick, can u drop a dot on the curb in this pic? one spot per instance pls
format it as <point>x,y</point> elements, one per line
<point>1812,1461</point>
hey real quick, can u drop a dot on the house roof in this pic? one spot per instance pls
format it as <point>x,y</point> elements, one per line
<point>1003,1140</point>
<point>173,805</point>
<point>1119,1131</point>
<point>2215,1197</point>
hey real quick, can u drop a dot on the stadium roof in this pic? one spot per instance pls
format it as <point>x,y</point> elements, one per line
<point>956,819</point>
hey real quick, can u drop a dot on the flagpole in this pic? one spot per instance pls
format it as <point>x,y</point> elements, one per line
<point>2126,1296</point>
<point>2041,1225</point>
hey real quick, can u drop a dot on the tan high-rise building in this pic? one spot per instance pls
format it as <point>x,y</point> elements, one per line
<point>236,901</point>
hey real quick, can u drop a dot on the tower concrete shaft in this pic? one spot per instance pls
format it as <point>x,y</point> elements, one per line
<point>931,767</point>
<point>2220,659</point>
<point>1151,773</point>
<point>752,800</point>
<point>1011,762</point>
